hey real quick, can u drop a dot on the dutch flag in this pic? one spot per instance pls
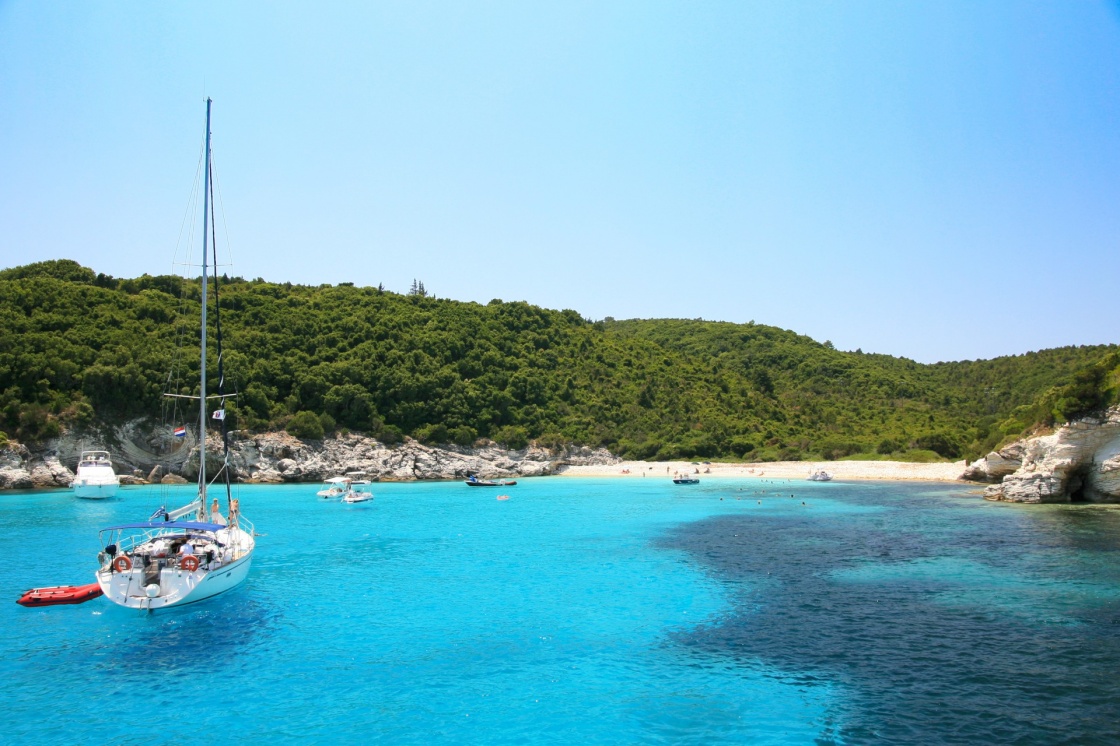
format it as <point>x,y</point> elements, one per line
<point>180,432</point>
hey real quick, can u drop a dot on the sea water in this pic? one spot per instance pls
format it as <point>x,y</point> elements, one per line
<point>591,611</point>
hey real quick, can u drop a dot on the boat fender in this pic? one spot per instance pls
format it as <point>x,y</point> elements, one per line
<point>122,564</point>
<point>151,590</point>
<point>189,563</point>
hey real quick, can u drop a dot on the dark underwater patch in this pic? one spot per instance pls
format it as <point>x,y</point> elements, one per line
<point>918,669</point>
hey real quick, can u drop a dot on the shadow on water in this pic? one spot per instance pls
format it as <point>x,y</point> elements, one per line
<point>922,656</point>
<point>194,639</point>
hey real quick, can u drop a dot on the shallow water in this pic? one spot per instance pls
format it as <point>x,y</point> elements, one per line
<point>590,610</point>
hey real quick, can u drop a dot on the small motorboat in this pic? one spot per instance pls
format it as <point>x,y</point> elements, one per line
<point>357,477</point>
<point>356,496</point>
<point>59,594</point>
<point>336,487</point>
<point>476,482</point>
<point>820,475</point>
<point>685,479</point>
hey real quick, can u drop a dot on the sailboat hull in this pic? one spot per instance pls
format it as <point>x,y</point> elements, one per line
<point>176,587</point>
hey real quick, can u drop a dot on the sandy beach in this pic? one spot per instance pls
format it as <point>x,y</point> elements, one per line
<point>841,470</point>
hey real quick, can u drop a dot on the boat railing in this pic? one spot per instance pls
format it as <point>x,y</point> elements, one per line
<point>246,525</point>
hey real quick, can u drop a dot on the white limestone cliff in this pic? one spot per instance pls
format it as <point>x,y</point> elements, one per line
<point>996,465</point>
<point>1080,462</point>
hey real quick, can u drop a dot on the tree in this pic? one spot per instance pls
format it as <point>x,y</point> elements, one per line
<point>306,425</point>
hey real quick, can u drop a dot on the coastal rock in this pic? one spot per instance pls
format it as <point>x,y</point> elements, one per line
<point>20,468</point>
<point>1080,462</point>
<point>274,457</point>
<point>142,448</point>
<point>13,471</point>
<point>996,465</point>
<point>49,472</point>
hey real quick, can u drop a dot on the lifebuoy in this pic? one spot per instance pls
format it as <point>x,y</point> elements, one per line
<point>122,564</point>
<point>189,563</point>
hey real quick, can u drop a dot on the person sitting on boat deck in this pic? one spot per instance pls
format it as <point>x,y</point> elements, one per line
<point>216,514</point>
<point>186,549</point>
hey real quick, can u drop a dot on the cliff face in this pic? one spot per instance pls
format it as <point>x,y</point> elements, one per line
<point>1078,463</point>
<point>142,453</point>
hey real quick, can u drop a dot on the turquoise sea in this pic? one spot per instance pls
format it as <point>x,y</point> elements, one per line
<point>590,611</point>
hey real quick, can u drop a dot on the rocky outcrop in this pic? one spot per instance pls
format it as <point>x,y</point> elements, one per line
<point>1080,462</point>
<point>21,468</point>
<point>13,474</point>
<point>996,465</point>
<point>142,453</point>
<point>279,457</point>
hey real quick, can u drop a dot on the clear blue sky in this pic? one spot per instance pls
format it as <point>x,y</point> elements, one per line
<point>937,180</point>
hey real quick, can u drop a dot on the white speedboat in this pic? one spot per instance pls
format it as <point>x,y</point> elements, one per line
<point>171,562</point>
<point>820,475</point>
<point>335,487</point>
<point>358,477</point>
<point>357,496</point>
<point>95,479</point>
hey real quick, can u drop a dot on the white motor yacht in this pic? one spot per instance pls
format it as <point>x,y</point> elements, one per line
<point>95,479</point>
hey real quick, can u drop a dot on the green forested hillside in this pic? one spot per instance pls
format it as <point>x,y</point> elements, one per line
<point>77,345</point>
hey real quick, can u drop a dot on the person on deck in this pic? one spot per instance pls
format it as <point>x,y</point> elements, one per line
<point>216,514</point>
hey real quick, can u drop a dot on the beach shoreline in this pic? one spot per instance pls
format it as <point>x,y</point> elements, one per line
<point>800,470</point>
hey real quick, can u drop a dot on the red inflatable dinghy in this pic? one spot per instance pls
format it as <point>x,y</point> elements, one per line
<point>59,594</point>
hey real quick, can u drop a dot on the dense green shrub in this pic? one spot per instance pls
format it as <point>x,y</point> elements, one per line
<point>432,434</point>
<point>511,436</point>
<point>306,425</point>
<point>462,435</point>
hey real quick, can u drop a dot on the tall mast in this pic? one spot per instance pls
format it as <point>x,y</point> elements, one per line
<point>202,367</point>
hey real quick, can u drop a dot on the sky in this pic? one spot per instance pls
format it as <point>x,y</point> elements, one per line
<point>933,180</point>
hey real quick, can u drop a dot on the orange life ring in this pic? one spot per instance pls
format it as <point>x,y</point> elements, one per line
<point>122,564</point>
<point>189,563</point>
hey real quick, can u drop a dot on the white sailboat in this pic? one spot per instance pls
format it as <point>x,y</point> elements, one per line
<point>95,479</point>
<point>170,559</point>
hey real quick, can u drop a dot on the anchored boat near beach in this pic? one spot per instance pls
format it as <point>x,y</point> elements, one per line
<point>167,561</point>
<point>474,481</point>
<point>95,479</point>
